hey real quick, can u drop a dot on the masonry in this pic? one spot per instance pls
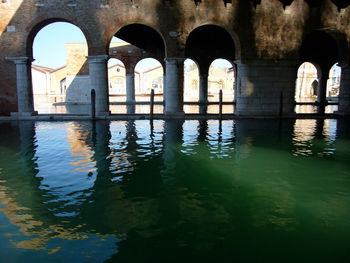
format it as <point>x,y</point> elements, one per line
<point>266,40</point>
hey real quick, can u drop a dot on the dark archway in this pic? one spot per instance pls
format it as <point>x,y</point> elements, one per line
<point>321,48</point>
<point>143,37</point>
<point>207,43</point>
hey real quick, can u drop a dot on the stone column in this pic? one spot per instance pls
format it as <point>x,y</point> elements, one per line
<point>260,86</point>
<point>174,87</point>
<point>344,90</point>
<point>203,93</point>
<point>322,94</point>
<point>24,86</point>
<point>99,82</point>
<point>130,93</point>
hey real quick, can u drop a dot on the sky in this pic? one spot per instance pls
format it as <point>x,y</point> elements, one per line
<point>50,44</point>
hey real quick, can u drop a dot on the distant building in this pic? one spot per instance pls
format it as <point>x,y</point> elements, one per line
<point>41,77</point>
<point>151,79</point>
<point>307,82</point>
<point>71,83</point>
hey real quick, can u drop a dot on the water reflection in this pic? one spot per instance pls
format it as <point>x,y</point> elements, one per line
<point>329,109</point>
<point>195,189</point>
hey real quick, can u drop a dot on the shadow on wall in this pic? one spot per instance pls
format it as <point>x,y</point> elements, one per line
<point>78,85</point>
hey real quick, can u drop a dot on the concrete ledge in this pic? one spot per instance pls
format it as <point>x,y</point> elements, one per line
<point>23,114</point>
<point>67,117</point>
<point>175,115</point>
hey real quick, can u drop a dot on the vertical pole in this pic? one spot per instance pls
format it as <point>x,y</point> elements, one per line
<point>151,104</point>
<point>130,93</point>
<point>220,104</point>
<point>93,103</point>
<point>281,104</point>
<point>203,93</point>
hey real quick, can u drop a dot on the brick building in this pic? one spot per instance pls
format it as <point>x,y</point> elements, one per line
<point>266,39</point>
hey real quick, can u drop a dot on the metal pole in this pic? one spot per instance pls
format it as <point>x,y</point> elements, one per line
<point>220,104</point>
<point>151,104</point>
<point>281,104</point>
<point>93,103</point>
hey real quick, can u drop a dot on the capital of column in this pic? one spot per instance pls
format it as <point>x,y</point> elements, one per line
<point>130,75</point>
<point>20,60</point>
<point>97,59</point>
<point>267,63</point>
<point>174,60</point>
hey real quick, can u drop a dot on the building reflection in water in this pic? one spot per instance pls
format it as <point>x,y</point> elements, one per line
<point>122,184</point>
<point>314,136</point>
<point>304,109</point>
<point>30,199</point>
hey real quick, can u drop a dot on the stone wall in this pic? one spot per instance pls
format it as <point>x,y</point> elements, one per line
<point>265,31</point>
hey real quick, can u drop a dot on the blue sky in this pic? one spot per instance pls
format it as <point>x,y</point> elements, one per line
<point>50,44</point>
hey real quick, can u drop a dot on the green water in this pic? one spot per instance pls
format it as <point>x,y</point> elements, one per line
<point>193,191</point>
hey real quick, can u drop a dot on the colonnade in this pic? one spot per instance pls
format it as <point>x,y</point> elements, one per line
<point>262,87</point>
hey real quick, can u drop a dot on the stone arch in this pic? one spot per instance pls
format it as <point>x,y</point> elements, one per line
<point>161,61</point>
<point>39,23</point>
<point>325,48</point>
<point>151,76</point>
<point>221,39</point>
<point>333,48</point>
<point>307,73</point>
<point>219,80</point>
<point>58,89</point>
<point>154,43</point>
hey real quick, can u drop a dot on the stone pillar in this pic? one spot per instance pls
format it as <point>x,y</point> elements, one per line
<point>174,86</point>
<point>322,94</point>
<point>24,86</point>
<point>203,93</point>
<point>260,85</point>
<point>130,93</point>
<point>344,90</point>
<point>99,82</point>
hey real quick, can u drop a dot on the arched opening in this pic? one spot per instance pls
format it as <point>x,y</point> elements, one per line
<point>321,49</point>
<point>191,86</point>
<point>221,77</point>
<point>333,82</point>
<point>144,37</point>
<point>306,88</point>
<point>60,74</point>
<point>333,85</point>
<point>149,75</point>
<point>209,42</point>
<point>116,85</point>
<point>307,83</point>
<point>141,48</point>
<point>204,45</point>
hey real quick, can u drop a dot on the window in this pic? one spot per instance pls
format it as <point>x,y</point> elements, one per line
<point>63,86</point>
